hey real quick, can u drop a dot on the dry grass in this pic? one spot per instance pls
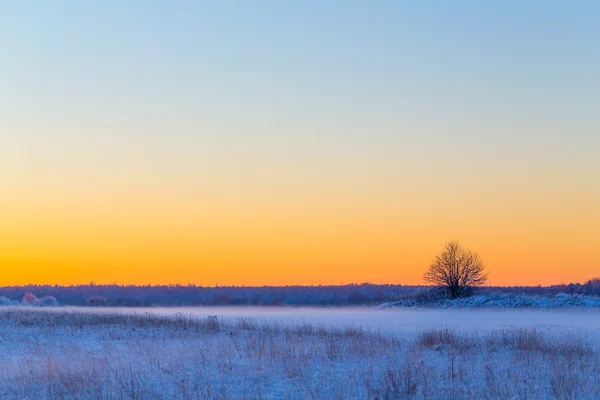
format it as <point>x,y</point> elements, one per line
<point>532,340</point>
<point>60,355</point>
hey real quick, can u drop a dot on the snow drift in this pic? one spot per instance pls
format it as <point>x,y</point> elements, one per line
<point>561,300</point>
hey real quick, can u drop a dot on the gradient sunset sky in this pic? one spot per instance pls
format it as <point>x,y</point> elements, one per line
<point>307,142</point>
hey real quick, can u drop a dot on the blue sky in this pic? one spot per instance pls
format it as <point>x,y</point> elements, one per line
<point>494,104</point>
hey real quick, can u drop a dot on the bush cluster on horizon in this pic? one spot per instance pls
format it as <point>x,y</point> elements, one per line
<point>29,299</point>
<point>177,295</point>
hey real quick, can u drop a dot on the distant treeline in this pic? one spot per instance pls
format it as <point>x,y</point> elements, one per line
<point>179,295</point>
<point>190,295</point>
<point>590,288</point>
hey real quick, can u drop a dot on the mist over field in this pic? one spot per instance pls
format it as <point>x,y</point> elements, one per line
<point>396,321</point>
<point>360,341</point>
<point>347,353</point>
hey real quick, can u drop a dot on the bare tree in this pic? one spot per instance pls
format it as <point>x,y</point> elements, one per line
<point>457,270</point>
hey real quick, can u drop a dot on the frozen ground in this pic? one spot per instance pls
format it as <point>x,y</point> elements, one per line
<point>558,301</point>
<point>298,353</point>
<point>398,321</point>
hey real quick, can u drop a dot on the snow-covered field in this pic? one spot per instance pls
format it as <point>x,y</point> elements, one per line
<point>397,321</point>
<point>298,353</point>
<point>558,301</point>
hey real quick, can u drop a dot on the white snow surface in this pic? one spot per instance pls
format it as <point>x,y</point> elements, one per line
<point>282,353</point>
<point>560,300</point>
<point>390,320</point>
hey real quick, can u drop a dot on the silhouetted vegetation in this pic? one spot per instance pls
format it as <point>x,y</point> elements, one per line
<point>457,270</point>
<point>190,295</point>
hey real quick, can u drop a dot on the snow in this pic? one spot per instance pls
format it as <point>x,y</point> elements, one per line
<point>561,300</point>
<point>394,320</point>
<point>297,353</point>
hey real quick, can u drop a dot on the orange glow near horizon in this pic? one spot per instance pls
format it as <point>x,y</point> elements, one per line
<point>283,143</point>
<point>139,238</point>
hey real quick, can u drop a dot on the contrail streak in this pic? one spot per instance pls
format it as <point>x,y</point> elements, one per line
<point>114,120</point>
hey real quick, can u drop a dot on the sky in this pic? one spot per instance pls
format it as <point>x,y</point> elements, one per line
<point>312,142</point>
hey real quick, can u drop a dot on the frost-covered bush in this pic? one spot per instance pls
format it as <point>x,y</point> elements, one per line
<point>29,299</point>
<point>4,301</point>
<point>47,301</point>
<point>97,301</point>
